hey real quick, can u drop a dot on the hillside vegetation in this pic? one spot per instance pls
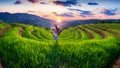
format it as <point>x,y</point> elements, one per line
<point>84,46</point>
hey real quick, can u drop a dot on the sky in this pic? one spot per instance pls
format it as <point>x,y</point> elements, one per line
<point>64,9</point>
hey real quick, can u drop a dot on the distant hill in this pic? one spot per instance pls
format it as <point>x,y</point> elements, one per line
<point>25,19</point>
<point>68,24</point>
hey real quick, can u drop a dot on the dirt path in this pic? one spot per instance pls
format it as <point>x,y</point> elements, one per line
<point>80,35</point>
<point>114,33</point>
<point>20,32</point>
<point>90,34</point>
<point>32,32</point>
<point>98,31</point>
<point>1,33</point>
<point>4,30</point>
<point>111,31</point>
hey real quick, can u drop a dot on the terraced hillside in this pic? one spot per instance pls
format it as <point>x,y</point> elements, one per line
<point>84,46</point>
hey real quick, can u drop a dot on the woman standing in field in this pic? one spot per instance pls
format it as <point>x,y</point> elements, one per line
<point>56,31</point>
<point>55,34</point>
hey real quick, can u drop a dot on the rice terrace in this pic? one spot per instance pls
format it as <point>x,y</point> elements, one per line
<point>59,34</point>
<point>90,46</point>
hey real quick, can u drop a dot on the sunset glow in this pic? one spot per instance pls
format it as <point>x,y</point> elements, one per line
<point>59,21</point>
<point>66,10</point>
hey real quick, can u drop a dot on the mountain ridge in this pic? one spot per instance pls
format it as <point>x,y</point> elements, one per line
<point>25,18</point>
<point>31,19</point>
<point>72,23</point>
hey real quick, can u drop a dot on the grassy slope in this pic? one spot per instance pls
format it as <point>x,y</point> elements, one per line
<point>76,49</point>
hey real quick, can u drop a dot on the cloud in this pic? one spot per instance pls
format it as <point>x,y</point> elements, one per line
<point>69,14</point>
<point>42,3</point>
<point>18,2</point>
<point>31,11</point>
<point>57,2</point>
<point>55,13</point>
<point>72,9</point>
<point>85,13</point>
<point>33,1</point>
<point>65,3</point>
<point>92,3</point>
<point>46,15</point>
<point>109,12</point>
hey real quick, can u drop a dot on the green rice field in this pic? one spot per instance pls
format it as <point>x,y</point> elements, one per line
<point>83,46</point>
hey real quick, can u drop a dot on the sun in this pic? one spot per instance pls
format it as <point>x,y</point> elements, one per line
<point>59,21</point>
